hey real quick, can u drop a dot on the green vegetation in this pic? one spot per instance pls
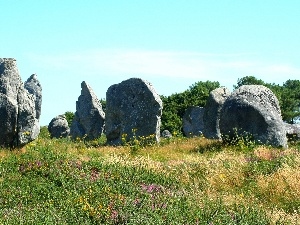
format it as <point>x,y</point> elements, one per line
<point>103,103</point>
<point>69,117</point>
<point>175,105</point>
<point>179,181</point>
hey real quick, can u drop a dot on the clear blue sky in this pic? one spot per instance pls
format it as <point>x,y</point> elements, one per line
<point>170,43</point>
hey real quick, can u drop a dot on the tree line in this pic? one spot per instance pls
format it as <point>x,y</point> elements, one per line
<point>175,105</point>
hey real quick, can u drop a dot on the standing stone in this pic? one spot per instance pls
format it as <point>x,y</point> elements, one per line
<point>8,121</point>
<point>211,115</point>
<point>254,110</point>
<point>193,121</point>
<point>10,81</point>
<point>18,122</point>
<point>58,127</point>
<point>166,134</point>
<point>133,108</point>
<point>292,131</point>
<point>33,86</point>
<point>89,118</point>
<point>28,125</point>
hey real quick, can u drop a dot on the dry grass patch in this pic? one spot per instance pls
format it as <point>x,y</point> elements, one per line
<point>281,188</point>
<point>279,216</point>
<point>258,177</point>
<point>225,171</point>
<point>266,153</point>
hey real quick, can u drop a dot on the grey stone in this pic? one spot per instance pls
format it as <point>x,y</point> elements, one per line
<point>133,108</point>
<point>34,87</point>
<point>292,131</point>
<point>192,121</point>
<point>211,115</point>
<point>28,125</point>
<point>18,122</point>
<point>89,117</point>
<point>58,127</point>
<point>166,134</point>
<point>10,80</point>
<point>8,121</point>
<point>254,110</point>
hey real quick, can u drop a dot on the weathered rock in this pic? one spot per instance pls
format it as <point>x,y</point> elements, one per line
<point>89,117</point>
<point>28,125</point>
<point>33,86</point>
<point>292,131</point>
<point>166,134</point>
<point>211,115</point>
<point>18,122</point>
<point>133,108</point>
<point>193,121</point>
<point>58,127</point>
<point>8,121</point>
<point>253,110</point>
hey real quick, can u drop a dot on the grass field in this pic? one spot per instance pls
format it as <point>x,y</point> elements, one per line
<point>179,181</point>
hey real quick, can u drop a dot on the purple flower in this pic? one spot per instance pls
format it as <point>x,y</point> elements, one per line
<point>38,163</point>
<point>114,215</point>
<point>137,202</point>
<point>151,188</point>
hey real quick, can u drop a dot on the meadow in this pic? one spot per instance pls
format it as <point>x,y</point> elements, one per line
<point>179,181</point>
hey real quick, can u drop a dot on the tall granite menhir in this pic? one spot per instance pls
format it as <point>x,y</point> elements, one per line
<point>253,110</point>
<point>211,116</point>
<point>19,122</point>
<point>33,86</point>
<point>89,117</point>
<point>192,121</point>
<point>133,108</point>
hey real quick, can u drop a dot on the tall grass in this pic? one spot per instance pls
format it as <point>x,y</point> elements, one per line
<point>179,181</point>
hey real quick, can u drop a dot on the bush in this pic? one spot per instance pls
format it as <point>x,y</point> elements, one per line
<point>69,116</point>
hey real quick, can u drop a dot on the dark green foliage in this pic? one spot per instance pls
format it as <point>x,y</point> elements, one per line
<point>103,103</point>
<point>290,100</point>
<point>175,105</point>
<point>248,80</point>
<point>69,116</point>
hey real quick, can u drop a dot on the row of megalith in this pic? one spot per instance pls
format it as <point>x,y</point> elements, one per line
<point>133,111</point>
<point>251,111</point>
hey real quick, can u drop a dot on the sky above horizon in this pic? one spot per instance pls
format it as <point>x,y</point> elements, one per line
<point>170,43</point>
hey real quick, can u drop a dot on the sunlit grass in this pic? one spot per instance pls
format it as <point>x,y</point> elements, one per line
<point>178,181</point>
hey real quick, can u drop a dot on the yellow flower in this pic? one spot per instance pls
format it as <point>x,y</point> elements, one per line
<point>27,133</point>
<point>222,176</point>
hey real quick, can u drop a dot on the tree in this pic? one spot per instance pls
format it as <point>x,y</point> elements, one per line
<point>290,101</point>
<point>103,103</point>
<point>69,116</point>
<point>248,80</point>
<point>175,105</point>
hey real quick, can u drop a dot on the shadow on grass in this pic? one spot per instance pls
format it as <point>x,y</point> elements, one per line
<point>210,146</point>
